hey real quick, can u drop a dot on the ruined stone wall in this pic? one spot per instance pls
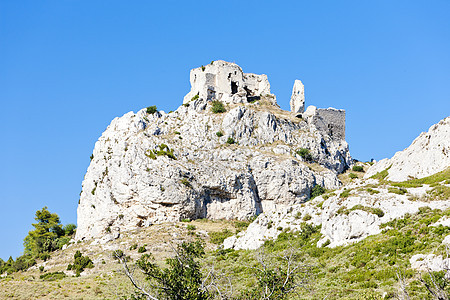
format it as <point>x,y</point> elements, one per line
<point>329,120</point>
<point>226,82</point>
<point>333,121</point>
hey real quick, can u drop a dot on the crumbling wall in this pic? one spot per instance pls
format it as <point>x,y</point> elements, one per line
<point>226,82</point>
<point>329,120</point>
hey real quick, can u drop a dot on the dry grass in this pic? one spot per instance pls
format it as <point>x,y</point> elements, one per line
<point>105,280</point>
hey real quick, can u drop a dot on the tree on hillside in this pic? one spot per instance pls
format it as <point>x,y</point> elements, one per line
<point>182,279</point>
<point>48,235</point>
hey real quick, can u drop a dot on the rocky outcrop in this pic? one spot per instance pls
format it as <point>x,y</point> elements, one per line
<point>298,98</point>
<point>343,220</point>
<point>428,154</point>
<point>150,167</point>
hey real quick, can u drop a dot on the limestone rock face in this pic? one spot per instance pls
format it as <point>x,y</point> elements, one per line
<point>428,154</point>
<point>298,97</point>
<point>343,221</point>
<point>191,163</point>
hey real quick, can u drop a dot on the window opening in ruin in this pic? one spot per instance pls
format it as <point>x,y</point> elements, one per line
<point>234,87</point>
<point>250,97</point>
<point>330,129</point>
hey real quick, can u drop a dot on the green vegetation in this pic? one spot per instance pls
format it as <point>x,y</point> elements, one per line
<point>80,263</point>
<point>151,109</point>
<point>217,107</point>
<point>317,190</point>
<point>376,211</point>
<point>372,191</point>
<point>352,175</point>
<point>230,141</point>
<point>191,227</point>
<point>186,182</point>
<point>219,236</point>
<point>203,68</point>
<point>195,97</point>
<point>358,169</point>
<point>305,154</point>
<point>345,193</point>
<point>52,276</point>
<point>48,235</point>
<point>381,175</point>
<point>398,191</point>
<point>219,133</point>
<point>163,150</point>
<point>142,249</point>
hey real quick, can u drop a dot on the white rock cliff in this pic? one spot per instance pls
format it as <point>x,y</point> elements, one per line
<point>191,163</point>
<point>429,153</point>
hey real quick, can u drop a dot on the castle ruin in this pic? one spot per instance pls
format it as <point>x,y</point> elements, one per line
<point>226,82</point>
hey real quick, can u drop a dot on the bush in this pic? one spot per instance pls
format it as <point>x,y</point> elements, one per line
<point>142,249</point>
<point>399,191</point>
<point>80,263</point>
<point>230,140</point>
<point>219,133</point>
<point>182,279</point>
<point>151,109</point>
<point>219,236</point>
<point>195,97</point>
<point>186,182</point>
<point>317,190</point>
<point>344,194</point>
<point>358,169</point>
<point>190,227</point>
<point>53,276</point>
<point>352,175</point>
<point>305,154</point>
<point>218,107</point>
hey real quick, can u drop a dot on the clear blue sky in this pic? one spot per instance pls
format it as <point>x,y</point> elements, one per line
<point>67,68</point>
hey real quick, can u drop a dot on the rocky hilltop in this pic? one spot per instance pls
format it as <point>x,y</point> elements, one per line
<point>228,152</point>
<point>361,207</point>
<point>429,153</point>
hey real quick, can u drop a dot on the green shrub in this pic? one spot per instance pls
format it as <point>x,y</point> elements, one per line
<point>372,191</point>
<point>195,97</point>
<point>317,190</point>
<point>218,107</point>
<point>191,227</point>
<point>133,247</point>
<point>230,140</point>
<point>142,249</point>
<point>358,169</point>
<point>399,191</point>
<point>91,157</point>
<point>186,220</point>
<point>352,175</point>
<point>307,217</point>
<point>182,279</point>
<point>151,109</point>
<point>382,175</point>
<point>164,150</point>
<point>203,68</point>
<point>345,193</point>
<point>53,276</point>
<point>80,263</point>
<point>219,236</point>
<point>186,182</point>
<point>305,154</point>
<point>219,133</point>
